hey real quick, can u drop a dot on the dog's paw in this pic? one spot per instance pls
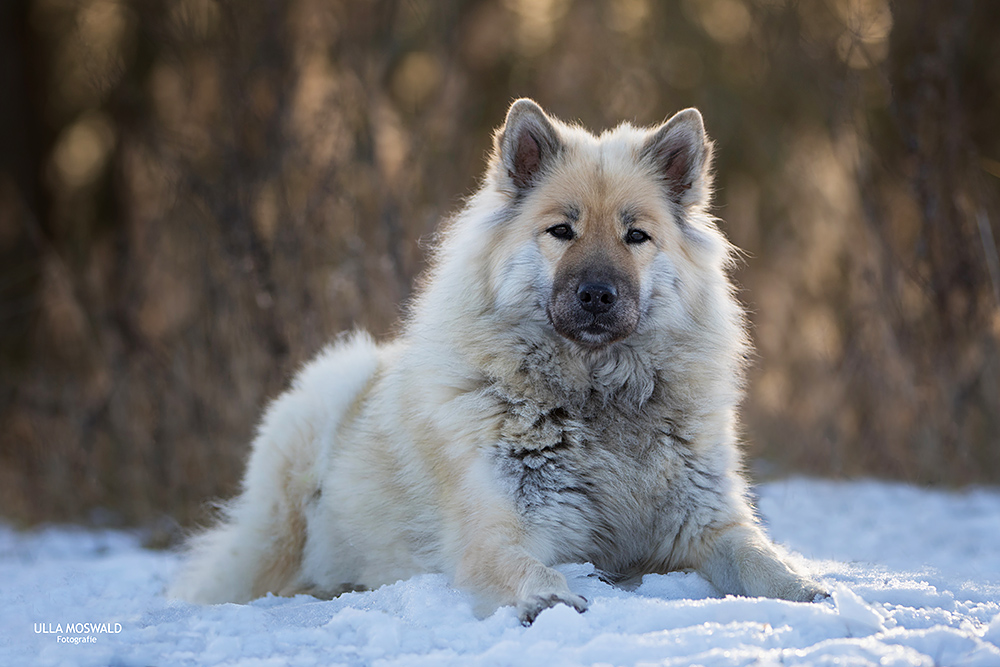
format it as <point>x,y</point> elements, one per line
<point>818,593</point>
<point>808,591</point>
<point>529,608</point>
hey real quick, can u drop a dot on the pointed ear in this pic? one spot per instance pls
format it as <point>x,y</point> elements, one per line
<point>526,144</point>
<point>682,155</point>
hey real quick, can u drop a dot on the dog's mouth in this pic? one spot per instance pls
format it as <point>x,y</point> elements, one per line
<point>598,335</point>
<point>599,332</point>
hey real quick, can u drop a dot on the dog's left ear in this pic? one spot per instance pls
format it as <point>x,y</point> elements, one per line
<point>682,155</point>
<point>526,145</point>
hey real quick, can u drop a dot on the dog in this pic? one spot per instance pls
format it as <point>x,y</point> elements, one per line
<point>564,389</point>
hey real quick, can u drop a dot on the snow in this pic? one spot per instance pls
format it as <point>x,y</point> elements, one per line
<point>914,576</point>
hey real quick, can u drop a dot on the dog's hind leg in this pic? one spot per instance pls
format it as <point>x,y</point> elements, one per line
<point>257,548</point>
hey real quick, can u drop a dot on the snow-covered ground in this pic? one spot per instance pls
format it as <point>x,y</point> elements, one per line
<point>915,576</point>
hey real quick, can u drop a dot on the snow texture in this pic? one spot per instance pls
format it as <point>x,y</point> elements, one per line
<point>914,576</point>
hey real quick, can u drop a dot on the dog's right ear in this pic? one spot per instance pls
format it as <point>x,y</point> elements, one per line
<point>526,144</point>
<point>682,157</point>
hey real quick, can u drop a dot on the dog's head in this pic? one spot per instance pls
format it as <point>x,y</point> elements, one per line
<point>601,230</point>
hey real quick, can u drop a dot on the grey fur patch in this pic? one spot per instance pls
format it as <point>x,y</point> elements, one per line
<point>615,486</point>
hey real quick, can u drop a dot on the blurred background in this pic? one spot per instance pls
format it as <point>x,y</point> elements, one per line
<point>195,195</point>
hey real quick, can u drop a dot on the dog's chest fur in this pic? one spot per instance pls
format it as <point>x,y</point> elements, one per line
<point>603,482</point>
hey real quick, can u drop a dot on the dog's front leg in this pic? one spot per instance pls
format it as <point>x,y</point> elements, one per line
<point>496,565</point>
<point>741,560</point>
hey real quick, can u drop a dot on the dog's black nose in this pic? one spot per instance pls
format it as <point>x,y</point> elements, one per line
<point>596,297</point>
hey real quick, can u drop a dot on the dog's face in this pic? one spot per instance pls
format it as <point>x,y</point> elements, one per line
<point>595,294</point>
<point>598,231</point>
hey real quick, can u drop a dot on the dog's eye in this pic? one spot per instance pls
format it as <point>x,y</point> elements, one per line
<point>564,232</point>
<point>636,236</point>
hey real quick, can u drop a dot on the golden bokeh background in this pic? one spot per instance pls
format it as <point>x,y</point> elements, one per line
<point>195,195</point>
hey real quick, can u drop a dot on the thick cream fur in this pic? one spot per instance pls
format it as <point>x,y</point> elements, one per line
<point>481,444</point>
